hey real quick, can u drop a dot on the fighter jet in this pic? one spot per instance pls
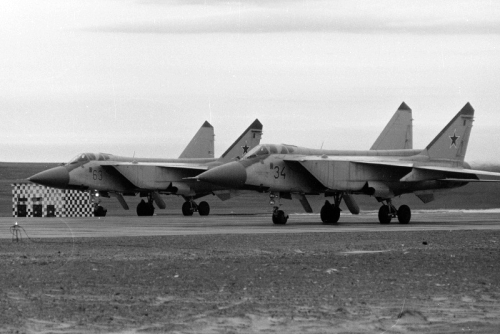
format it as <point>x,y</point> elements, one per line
<point>283,170</point>
<point>110,175</point>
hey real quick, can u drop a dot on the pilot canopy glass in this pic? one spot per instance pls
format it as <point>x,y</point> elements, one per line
<point>261,150</point>
<point>86,157</point>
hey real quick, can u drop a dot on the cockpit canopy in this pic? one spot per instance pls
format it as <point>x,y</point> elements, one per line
<point>86,157</point>
<point>265,149</point>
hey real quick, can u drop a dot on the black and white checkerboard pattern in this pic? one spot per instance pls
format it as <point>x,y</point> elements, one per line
<point>67,203</point>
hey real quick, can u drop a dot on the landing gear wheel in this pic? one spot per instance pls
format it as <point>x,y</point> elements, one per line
<point>384,214</point>
<point>150,209</point>
<point>187,209</point>
<point>145,209</point>
<point>329,213</point>
<point>404,214</point>
<point>99,211</point>
<point>141,208</point>
<point>336,215</point>
<point>204,208</point>
<point>325,211</point>
<point>279,217</point>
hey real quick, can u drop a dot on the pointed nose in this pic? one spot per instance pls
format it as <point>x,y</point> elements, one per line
<point>57,177</point>
<point>230,175</point>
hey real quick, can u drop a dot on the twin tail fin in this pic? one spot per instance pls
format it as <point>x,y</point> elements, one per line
<point>202,144</point>
<point>451,143</point>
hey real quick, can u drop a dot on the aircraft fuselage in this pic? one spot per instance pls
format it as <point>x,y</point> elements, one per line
<point>274,173</point>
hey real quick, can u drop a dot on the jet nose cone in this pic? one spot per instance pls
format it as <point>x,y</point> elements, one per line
<point>57,177</point>
<point>230,175</point>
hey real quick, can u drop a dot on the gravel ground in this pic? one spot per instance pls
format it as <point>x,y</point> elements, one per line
<point>395,282</point>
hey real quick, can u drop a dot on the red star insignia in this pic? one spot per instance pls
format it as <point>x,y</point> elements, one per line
<point>454,139</point>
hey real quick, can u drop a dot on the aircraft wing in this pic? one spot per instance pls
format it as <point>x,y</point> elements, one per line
<point>153,175</point>
<point>474,175</point>
<point>174,165</point>
<point>339,172</point>
<point>441,173</point>
<point>371,160</point>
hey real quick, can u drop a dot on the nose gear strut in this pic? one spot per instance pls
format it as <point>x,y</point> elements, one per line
<point>279,217</point>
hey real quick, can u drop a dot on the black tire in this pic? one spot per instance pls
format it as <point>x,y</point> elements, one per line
<point>186,209</point>
<point>325,212</point>
<point>100,211</point>
<point>279,218</point>
<point>384,215</point>
<point>141,208</point>
<point>329,213</point>
<point>150,209</point>
<point>203,209</point>
<point>404,214</point>
<point>336,215</point>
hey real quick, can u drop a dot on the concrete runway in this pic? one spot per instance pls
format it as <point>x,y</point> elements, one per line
<point>242,224</point>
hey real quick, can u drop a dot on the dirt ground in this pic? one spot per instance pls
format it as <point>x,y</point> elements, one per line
<point>394,282</point>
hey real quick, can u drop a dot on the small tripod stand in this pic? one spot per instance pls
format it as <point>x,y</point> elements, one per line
<point>16,232</point>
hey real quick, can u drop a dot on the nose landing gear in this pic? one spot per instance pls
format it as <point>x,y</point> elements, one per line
<point>99,210</point>
<point>389,211</point>
<point>279,217</point>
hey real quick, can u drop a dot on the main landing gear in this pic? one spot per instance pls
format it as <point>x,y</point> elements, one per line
<point>330,213</point>
<point>279,217</point>
<point>388,211</point>
<point>190,206</point>
<point>146,209</point>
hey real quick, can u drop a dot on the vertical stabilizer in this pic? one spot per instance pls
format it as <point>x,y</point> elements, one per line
<point>451,143</point>
<point>202,144</point>
<point>398,133</point>
<point>248,140</point>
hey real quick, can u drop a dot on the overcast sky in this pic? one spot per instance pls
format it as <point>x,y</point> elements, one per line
<point>140,77</point>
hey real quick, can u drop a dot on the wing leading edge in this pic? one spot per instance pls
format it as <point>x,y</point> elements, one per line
<point>156,176</point>
<point>351,174</point>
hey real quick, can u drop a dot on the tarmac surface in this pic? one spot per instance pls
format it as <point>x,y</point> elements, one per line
<point>164,225</point>
<point>242,274</point>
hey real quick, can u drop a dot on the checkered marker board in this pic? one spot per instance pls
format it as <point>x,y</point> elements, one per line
<point>65,203</point>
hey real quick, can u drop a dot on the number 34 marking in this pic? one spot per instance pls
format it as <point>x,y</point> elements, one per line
<point>279,172</point>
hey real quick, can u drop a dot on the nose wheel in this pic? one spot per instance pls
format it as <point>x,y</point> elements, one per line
<point>279,217</point>
<point>389,211</point>
<point>99,210</point>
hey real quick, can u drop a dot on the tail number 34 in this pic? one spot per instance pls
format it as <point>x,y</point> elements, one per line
<point>279,172</point>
